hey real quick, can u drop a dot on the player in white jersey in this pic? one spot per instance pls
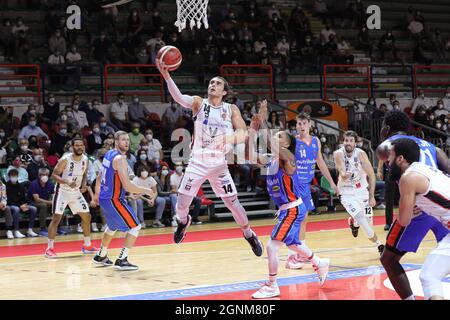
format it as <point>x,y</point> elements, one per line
<point>357,196</point>
<point>428,189</point>
<point>70,174</point>
<point>218,127</point>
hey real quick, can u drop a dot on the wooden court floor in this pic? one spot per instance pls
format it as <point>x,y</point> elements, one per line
<point>212,254</point>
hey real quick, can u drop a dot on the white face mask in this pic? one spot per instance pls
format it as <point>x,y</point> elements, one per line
<point>323,139</point>
<point>38,158</point>
<point>143,157</point>
<point>149,137</point>
<point>359,144</point>
<point>13,179</point>
<point>33,123</point>
<point>24,148</point>
<point>165,172</point>
<point>44,179</point>
<point>63,132</point>
<point>144,174</point>
<point>179,169</point>
<point>64,118</point>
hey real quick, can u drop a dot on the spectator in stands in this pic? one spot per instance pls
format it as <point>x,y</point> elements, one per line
<point>3,152</point>
<point>18,202</point>
<point>131,159</point>
<point>40,195</point>
<point>56,66</point>
<point>378,113</point>
<point>19,26</point>
<point>259,45</point>
<point>387,43</point>
<point>446,99</point>
<point>57,42</point>
<point>7,39</point>
<point>101,49</point>
<point>6,211</point>
<point>38,162</point>
<point>23,49</point>
<point>93,114</point>
<point>104,127</point>
<point>128,48</point>
<point>170,118</point>
<point>396,105</point>
<point>165,191</point>
<point>51,110</point>
<point>330,51</point>
<point>79,116</point>
<point>107,21</point>
<point>438,41</point>
<point>420,100</point>
<point>138,112</point>
<point>364,42</point>
<point>157,39</point>
<point>273,122</point>
<point>344,55</point>
<point>31,111</point>
<point>279,64</point>
<point>154,151</point>
<point>119,113</point>
<point>439,110</point>
<point>283,47</point>
<point>135,136</point>
<point>279,25</point>
<point>73,58</point>
<point>95,139</point>
<point>321,11</point>
<point>273,10</point>
<point>59,140</point>
<point>141,157</point>
<point>325,34</point>
<point>32,129</point>
<point>19,167</point>
<point>157,22</point>
<point>415,28</point>
<point>135,24</point>
<point>419,55</point>
<point>143,179</point>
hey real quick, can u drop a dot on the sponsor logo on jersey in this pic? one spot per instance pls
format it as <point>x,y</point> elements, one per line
<point>276,188</point>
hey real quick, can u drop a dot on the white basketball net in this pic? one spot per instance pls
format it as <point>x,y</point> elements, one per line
<point>192,11</point>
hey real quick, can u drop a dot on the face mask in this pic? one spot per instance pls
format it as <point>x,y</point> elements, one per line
<point>179,169</point>
<point>359,144</point>
<point>165,172</point>
<point>431,117</point>
<point>438,125</point>
<point>13,179</point>
<point>144,174</point>
<point>136,100</point>
<point>51,100</point>
<point>103,124</point>
<point>441,106</point>
<point>326,150</point>
<point>96,130</point>
<point>323,139</point>
<point>396,107</point>
<point>24,148</point>
<point>37,158</point>
<point>32,123</point>
<point>136,131</point>
<point>44,179</point>
<point>63,132</point>
<point>149,137</point>
<point>64,118</point>
<point>143,157</point>
<point>33,112</point>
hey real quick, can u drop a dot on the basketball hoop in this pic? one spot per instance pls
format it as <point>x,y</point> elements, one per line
<point>192,11</point>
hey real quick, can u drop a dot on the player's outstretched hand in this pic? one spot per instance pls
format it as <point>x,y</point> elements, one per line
<point>163,69</point>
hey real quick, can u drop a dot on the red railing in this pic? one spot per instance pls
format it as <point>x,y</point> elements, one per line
<point>328,76</point>
<point>243,78</point>
<point>112,80</point>
<point>423,73</point>
<point>24,79</point>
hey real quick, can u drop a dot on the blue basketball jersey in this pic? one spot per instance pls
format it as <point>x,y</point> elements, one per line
<point>110,186</point>
<point>305,158</point>
<point>282,187</point>
<point>427,150</point>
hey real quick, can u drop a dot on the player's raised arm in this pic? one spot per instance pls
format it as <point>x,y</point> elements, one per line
<point>186,101</point>
<point>367,166</point>
<point>121,165</point>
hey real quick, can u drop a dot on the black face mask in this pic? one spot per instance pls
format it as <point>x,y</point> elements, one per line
<point>395,172</point>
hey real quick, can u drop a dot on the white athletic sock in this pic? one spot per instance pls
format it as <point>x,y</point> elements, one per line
<point>87,241</point>
<point>124,253</point>
<point>411,297</point>
<point>103,251</point>
<point>50,243</point>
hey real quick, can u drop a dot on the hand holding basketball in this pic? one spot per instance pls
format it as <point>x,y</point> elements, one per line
<point>168,59</point>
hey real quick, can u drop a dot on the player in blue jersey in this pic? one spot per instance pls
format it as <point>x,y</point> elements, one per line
<point>401,240</point>
<point>307,154</point>
<point>110,187</point>
<point>284,189</point>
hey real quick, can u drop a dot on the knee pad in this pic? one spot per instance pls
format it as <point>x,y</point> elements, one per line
<point>134,231</point>
<point>110,232</point>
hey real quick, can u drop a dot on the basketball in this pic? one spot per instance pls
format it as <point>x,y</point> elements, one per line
<point>171,56</point>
